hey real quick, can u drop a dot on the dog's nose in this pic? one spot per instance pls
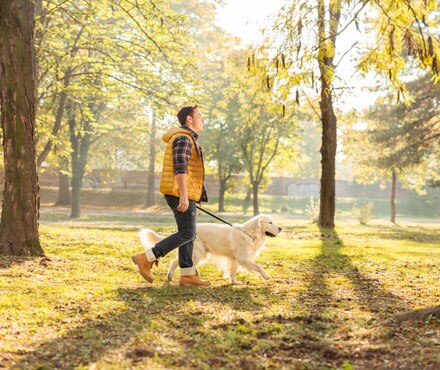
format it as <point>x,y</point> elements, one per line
<point>279,229</point>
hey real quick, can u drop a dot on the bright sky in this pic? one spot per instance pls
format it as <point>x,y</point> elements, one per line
<point>245,18</point>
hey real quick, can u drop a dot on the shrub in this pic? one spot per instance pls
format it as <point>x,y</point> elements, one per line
<point>312,209</point>
<point>363,211</point>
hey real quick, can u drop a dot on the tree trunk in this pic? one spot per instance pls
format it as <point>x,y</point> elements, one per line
<point>63,190</point>
<point>255,197</point>
<point>75,210</point>
<point>247,199</point>
<point>393,197</point>
<point>248,194</point>
<point>328,167</point>
<point>151,201</point>
<point>40,13</point>
<point>328,117</point>
<point>221,195</point>
<point>21,200</point>
<point>80,150</point>
<point>78,171</point>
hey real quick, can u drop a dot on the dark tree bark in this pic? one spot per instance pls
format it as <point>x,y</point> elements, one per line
<point>255,185</point>
<point>393,197</point>
<point>19,223</point>
<point>328,117</point>
<point>247,199</point>
<point>248,194</point>
<point>75,211</point>
<point>224,174</point>
<point>76,182</point>
<point>221,195</point>
<point>80,151</point>
<point>328,167</point>
<point>39,12</point>
<point>63,190</point>
<point>151,201</point>
<point>63,184</point>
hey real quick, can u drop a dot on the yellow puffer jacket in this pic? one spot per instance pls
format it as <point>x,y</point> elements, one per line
<point>168,183</point>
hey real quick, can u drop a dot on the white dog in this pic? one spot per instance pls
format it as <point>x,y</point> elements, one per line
<point>237,244</point>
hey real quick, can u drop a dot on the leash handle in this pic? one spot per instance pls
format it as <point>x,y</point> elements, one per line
<point>209,213</point>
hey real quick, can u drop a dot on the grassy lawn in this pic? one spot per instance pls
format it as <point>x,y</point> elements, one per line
<point>328,305</point>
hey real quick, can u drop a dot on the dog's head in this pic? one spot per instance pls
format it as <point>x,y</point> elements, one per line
<point>266,226</point>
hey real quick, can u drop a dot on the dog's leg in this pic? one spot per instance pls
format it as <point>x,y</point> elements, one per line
<point>233,272</point>
<point>173,267</point>
<point>197,256</point>
<point>252,266</point>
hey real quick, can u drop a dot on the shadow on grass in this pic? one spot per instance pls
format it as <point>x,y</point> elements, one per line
<point>419,234</point>
<point>7,261</point>
<point>93,338</point>
<point>370,295</point>
<point>320,304</point>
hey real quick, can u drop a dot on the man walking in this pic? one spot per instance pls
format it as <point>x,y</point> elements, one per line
<point>182,184</point>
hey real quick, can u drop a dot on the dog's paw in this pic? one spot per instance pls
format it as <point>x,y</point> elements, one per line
<point>236,283</point>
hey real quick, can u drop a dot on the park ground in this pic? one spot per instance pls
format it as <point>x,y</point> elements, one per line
<point>331,302</point>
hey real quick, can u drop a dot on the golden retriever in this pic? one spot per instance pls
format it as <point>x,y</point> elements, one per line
<point>238,245</point>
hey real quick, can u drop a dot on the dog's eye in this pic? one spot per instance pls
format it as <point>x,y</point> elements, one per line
<point>270,223</point>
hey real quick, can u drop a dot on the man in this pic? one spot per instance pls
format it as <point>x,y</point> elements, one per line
<point>182,184</point>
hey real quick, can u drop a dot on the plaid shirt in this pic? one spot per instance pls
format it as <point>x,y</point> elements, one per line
<point>182,147</point>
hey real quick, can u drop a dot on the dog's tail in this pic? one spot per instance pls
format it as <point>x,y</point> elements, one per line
<point>149,238</point>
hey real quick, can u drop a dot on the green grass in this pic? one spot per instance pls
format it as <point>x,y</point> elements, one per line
<point>328,305</point>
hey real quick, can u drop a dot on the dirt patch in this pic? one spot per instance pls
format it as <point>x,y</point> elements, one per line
<point>140,352</point>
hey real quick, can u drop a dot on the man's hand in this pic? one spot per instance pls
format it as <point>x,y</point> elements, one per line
<point>183,204</point>
<point>183,199</point>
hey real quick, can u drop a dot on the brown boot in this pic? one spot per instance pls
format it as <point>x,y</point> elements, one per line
<point>193,280</point>
<point>144,266</point>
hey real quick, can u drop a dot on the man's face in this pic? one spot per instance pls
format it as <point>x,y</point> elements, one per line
<point>196,121</point>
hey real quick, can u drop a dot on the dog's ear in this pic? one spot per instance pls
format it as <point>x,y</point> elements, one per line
<point>260,223</point>
<point>253,225</point>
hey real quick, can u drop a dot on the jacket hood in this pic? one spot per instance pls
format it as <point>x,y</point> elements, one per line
<point>173,131</point>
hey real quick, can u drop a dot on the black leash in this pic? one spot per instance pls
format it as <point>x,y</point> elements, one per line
<point>218,218</point>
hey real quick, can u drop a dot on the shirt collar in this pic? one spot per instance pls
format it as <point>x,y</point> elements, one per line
<point>194,134</point>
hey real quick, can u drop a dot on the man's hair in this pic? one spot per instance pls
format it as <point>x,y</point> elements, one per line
<point>185,112</point>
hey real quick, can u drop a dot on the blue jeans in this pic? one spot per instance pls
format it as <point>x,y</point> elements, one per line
<point>186,233</point>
